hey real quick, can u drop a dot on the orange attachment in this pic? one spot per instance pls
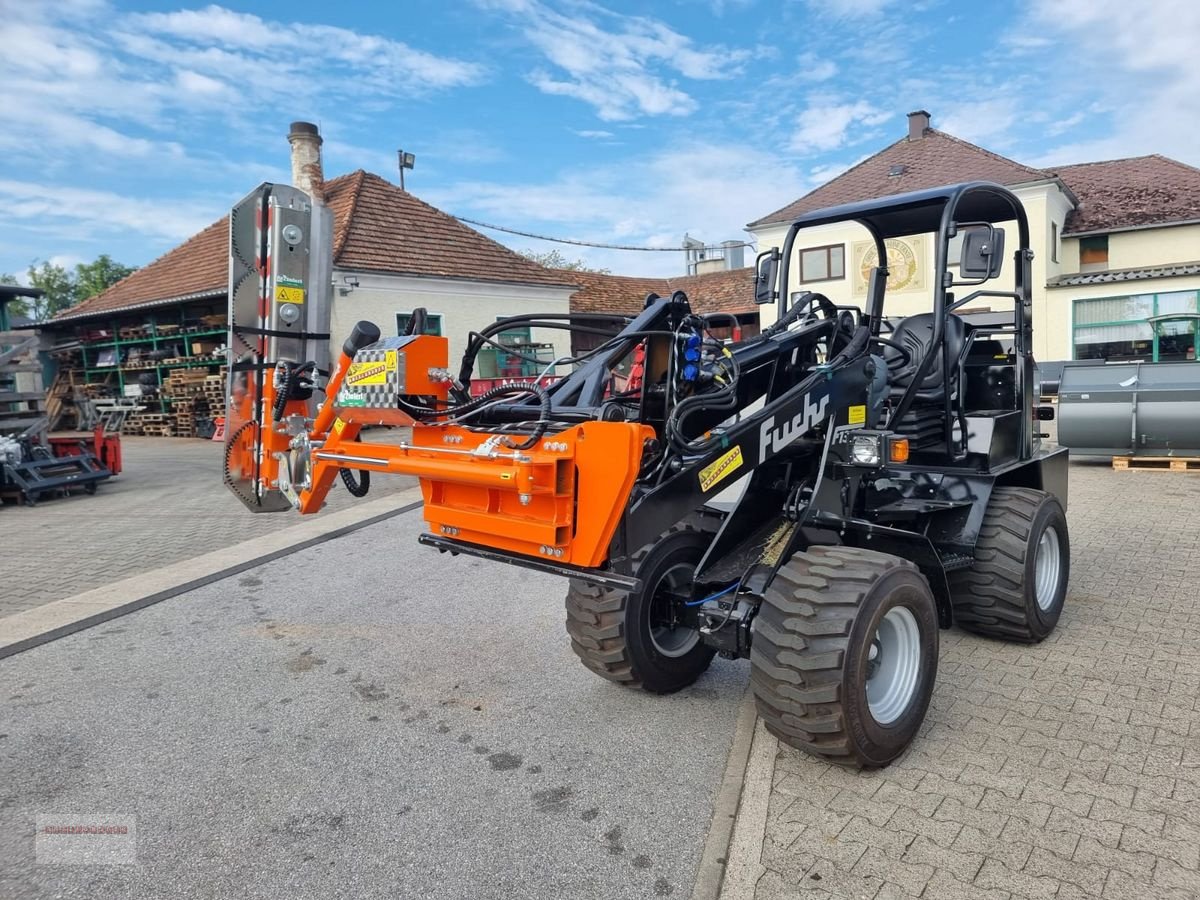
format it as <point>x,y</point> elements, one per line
<point>560,500</point>
<point>898,450</point>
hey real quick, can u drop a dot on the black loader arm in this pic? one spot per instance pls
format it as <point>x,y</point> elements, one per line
<point>803,406</point>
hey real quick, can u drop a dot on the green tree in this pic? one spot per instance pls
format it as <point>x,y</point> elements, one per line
<point>98,275</point>
<point>553,259</point>
<point>59,289</point>
<point>16,307</point>
<point>66,288</point>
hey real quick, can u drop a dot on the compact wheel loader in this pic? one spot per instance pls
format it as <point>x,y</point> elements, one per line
<point>822,497</point>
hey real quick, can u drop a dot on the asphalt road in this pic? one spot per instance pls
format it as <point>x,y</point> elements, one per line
<point>365,719</point>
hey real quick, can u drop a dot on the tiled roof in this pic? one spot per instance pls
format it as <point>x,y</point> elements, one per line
<point>731,290</point>
<point>934,160</point>
<point>382,228</point>
<point>1126,193</point>
<point>199,267</point>
<point>377,228</point>
<point>1176,270</point>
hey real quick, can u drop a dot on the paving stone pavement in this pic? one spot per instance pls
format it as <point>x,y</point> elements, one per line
<point>167,505</point>
<point>1068,769</point>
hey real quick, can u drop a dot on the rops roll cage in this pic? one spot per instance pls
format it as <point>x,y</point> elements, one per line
<point>946,211</point>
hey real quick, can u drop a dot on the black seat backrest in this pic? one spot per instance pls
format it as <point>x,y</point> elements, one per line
<point>915,334</point>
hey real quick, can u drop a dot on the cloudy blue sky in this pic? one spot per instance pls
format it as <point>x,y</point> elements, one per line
<point>127,126</point>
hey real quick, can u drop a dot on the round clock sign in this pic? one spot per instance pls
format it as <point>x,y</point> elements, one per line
<point>903,270</point>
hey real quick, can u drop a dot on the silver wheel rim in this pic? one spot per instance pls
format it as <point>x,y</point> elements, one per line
<point>1047,569</point>
<point>673,640</point>
<point>893,665</point>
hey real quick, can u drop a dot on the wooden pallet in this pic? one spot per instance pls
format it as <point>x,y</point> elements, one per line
<point>1156,463</point>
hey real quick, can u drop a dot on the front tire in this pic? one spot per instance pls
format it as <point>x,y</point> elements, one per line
<point>844,654</point>
<point>1016,587</point>
<point>629,638</point>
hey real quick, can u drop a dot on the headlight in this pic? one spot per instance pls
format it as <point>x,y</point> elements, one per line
<point>864,450</point>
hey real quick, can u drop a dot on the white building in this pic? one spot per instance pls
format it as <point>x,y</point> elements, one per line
<point>1116,244</point>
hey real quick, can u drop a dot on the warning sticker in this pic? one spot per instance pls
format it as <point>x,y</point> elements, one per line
<point>287,294</point>
<point>338,426</point>
<point>370,372</point>
<point>720,468</point>
<point>857,415</point>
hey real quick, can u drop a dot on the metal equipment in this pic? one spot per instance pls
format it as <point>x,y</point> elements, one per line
<point>32,470</point>
<point>887,483</point>
<point>1139,409</point>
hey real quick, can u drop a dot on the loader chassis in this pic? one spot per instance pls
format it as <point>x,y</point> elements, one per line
<point>820,498</point>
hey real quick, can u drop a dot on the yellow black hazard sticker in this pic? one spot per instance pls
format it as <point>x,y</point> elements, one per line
<point>720,468</point>
<point>338,426</point>
<point>286,293</point>
<point>857,415</point>
<point>373,371</point>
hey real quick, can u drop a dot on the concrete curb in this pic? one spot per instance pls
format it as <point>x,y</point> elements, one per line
<point>745,866</point>
<point>62,617</point>
<point>711,871</point>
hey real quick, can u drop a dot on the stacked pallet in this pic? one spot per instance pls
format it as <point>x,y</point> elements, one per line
<point>156,424</point>
<point>185,390</point>
<point>214,392</point>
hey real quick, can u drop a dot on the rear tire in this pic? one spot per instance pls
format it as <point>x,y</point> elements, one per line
<point>1016,587</point>
<point>844,654</point>
<point>623,637</point>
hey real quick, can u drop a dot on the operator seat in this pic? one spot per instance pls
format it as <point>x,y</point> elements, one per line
<point>924,423</point>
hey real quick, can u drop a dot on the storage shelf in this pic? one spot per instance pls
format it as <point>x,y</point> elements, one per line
<point>154,368</point>
<point>175,336</point>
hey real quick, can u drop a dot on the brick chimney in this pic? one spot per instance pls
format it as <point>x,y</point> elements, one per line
<point>306,159</point>
<point>918,124</point>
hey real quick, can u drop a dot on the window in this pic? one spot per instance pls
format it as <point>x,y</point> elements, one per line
<point>1053,242</point>
<point>433,323</point>
<point>1093,253</point>
<point>518,355</point>
<point>823,263</point>
<point>1117,328</point>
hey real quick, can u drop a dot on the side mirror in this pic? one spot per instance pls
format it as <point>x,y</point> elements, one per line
<point>766,274</point>
<point>982,253</point>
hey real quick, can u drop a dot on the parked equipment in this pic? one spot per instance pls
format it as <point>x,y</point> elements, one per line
<point>31,470</point>
<point>1138,409</point>
<point>890,484</point>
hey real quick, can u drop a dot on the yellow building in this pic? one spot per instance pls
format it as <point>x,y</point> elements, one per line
<point>1116,269</point>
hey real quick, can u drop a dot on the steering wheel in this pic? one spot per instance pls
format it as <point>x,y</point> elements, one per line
<point>894,364</point>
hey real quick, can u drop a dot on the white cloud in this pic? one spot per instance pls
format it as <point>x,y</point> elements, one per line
<point>705,188</point>
<point>814,68</point>
<point>593,133</point>
<point>825,126</point>
<point>290,46</point>
<point>623,66</point>
<point>86,211</point>
<point>984,122</point>
<point>90,79</point>
<point>845,9</point>
<point>1141,58</point>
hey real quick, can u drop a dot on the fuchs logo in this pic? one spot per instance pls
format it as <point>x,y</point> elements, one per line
<point>774,436</point>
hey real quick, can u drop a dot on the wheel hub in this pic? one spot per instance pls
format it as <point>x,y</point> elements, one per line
<point>668,634</point>
<point>1047,568</point>
<point>893,665</point>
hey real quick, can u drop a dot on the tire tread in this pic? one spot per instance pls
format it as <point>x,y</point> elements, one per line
<point>801,637</point>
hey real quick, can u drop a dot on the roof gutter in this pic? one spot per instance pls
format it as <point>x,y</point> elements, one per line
<point>118,310</point>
